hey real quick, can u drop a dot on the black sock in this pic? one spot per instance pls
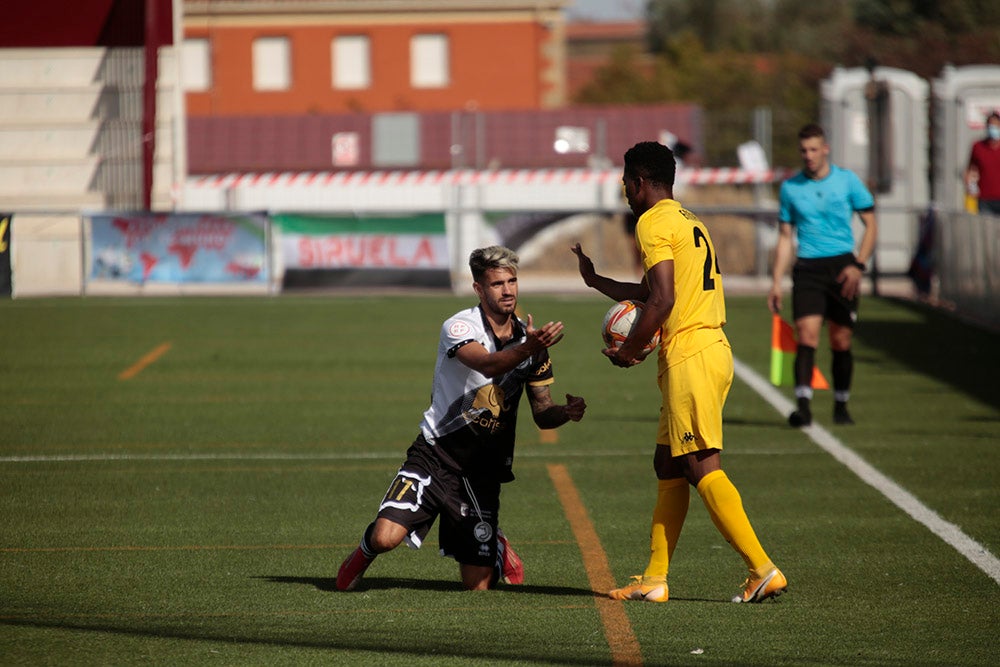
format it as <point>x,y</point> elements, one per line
<point>805,360</point>
<point>366,541</point>
<point>843,370</point>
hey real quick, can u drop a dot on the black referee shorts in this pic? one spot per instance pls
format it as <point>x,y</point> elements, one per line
<point>815,290</point>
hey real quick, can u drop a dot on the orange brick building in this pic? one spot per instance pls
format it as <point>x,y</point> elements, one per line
<point>293,57</point>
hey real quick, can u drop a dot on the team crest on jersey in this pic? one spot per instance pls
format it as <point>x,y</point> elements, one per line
<point>483,531</point>
<point>489,397</point>
<point>459,328</point>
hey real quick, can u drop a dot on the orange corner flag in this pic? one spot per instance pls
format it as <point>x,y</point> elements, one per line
<point>783,348</point>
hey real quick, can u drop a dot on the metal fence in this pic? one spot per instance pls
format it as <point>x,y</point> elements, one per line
<point>562,138</point>
<point>966,258</point>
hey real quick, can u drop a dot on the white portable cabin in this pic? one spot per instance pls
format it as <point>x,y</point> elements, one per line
<point>848,119</point>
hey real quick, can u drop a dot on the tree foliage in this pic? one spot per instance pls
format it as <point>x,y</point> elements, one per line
<point>732,56</point>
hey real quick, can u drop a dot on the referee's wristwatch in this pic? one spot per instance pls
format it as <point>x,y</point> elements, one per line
<point>860,265</point>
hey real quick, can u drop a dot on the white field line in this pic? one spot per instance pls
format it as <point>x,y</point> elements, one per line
<point>951,534</point>
<point>903,499</point>
<point>557,452</point>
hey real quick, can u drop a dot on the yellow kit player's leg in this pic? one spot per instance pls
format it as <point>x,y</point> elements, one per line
<point>672,499</point>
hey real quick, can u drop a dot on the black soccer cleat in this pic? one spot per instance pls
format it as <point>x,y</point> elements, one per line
<point>800,418</point>
<point>841,415</point>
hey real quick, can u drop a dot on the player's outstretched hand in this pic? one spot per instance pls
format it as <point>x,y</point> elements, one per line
<point>545,336</point>
<point>575,407</point>
<point>586,265</point>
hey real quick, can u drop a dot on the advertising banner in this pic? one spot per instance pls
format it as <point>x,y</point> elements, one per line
<point>179,248</point>
<point>409,243</point>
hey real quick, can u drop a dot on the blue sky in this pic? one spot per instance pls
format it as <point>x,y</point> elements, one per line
<point>606,10</point>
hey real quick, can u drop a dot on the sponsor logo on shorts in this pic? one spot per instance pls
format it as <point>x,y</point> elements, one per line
<point>688,437</point>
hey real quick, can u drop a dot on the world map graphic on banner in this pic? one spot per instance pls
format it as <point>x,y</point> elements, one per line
<point>212,248</point>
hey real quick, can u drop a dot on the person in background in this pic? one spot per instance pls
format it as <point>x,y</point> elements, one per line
<point>683,296</point>
<point>982,176</point>
<point>819,203</point>
<point>464,452</point>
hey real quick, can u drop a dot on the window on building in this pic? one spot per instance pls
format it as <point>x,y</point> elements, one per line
<point>272,63</point>
<point>196,64</point>
<point>429,61</point>
<point>351,57</point>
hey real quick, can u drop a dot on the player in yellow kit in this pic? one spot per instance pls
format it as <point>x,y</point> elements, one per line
<point>682,292</point>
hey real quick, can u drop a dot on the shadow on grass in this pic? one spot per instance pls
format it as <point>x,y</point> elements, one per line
<point>372,642</point>
<point>388,583</point>
<point>941,346</point>
<point>329,584</point>
<point>198,627</point>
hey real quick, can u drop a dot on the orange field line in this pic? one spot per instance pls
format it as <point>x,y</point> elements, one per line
<point>617,628</point>
<point>138,366</point>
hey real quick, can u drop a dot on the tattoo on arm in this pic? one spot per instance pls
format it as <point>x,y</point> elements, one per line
<point>546,413</point>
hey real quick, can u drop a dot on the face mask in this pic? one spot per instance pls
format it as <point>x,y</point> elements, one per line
<point>993,132</point>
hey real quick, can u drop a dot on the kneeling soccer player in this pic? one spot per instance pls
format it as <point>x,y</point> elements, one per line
<point>465,450</point>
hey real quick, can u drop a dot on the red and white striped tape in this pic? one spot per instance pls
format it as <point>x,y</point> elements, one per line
<point>720,176</point>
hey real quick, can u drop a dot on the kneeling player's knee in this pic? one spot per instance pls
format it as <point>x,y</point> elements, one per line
<point>476,578</point>
<point>386,536</point>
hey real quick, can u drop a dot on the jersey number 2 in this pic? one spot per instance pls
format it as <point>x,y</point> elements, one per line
<point>708,282</point>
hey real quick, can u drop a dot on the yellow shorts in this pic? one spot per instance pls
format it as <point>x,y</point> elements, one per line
<point>694,391</point>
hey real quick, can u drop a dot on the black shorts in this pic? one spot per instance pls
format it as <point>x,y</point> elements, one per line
<point>815,290</point>
<point>425,489</point>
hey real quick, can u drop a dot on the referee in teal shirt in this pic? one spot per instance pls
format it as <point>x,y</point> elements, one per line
<point>819,203</point>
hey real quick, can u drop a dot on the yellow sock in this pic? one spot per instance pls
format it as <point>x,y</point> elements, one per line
<point>726,509</point>
<point>672,499</point>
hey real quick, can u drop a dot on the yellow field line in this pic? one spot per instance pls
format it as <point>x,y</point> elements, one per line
<point>138,366</point>
<point>548,436</point>
<point>617,628</point>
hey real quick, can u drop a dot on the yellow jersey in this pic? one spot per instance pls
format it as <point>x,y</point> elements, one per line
<point>667,231</point>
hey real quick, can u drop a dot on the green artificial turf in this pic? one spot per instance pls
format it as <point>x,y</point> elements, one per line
<point>197,512</point>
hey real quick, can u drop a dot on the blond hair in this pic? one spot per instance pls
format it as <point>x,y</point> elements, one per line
<point>493,257</point>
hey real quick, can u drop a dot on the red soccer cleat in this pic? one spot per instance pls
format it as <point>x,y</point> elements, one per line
<point>352,569</point>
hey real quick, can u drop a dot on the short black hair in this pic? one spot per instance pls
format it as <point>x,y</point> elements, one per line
<point>810,131</point>
<point>652,161</point>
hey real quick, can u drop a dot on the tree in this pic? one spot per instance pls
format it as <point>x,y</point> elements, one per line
<point>630,78</point>
<point>731,56</point>
<point>924,35</point>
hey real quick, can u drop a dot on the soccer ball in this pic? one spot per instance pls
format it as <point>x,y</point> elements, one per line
<point>619,321</point>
